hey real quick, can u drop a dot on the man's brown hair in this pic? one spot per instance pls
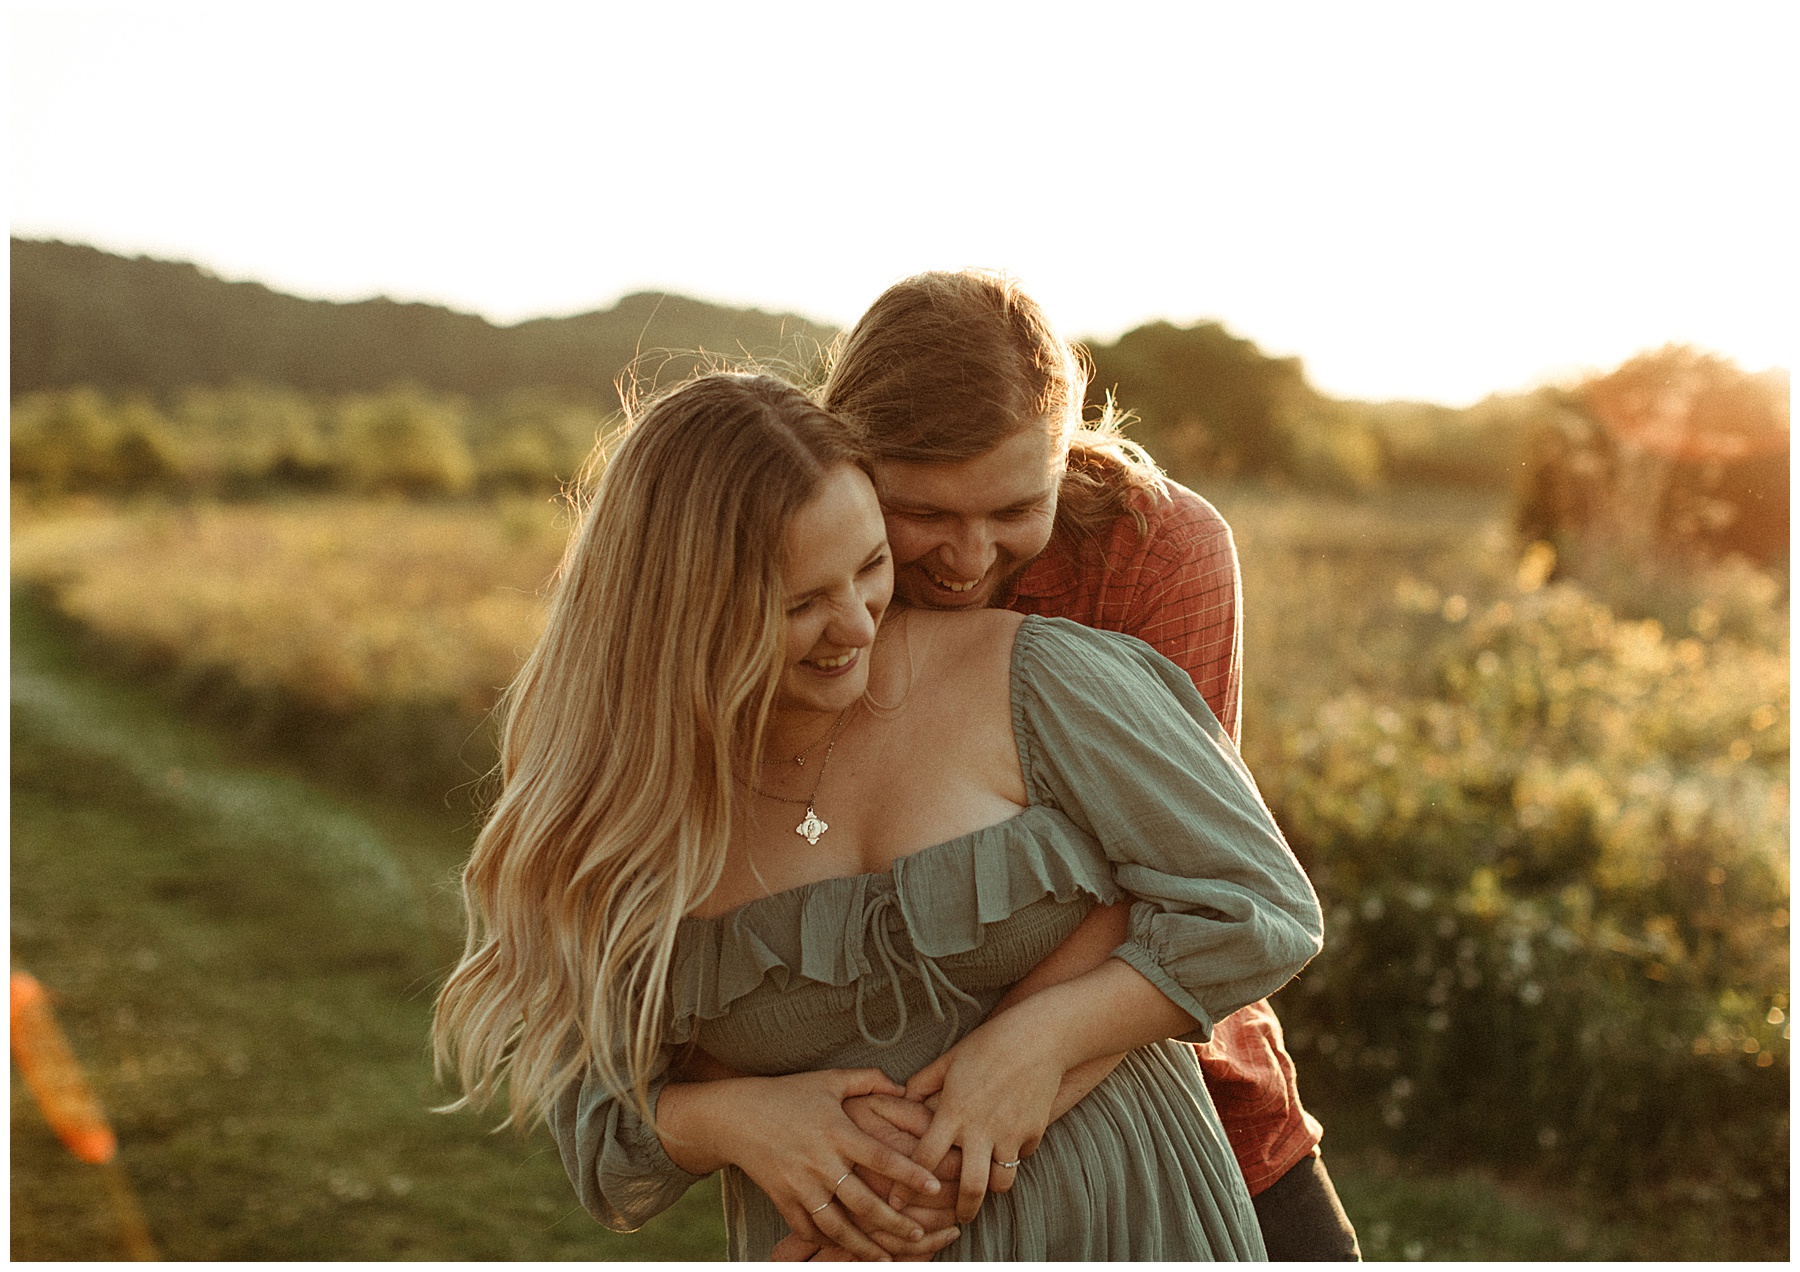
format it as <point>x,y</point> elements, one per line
<point>945,366</point>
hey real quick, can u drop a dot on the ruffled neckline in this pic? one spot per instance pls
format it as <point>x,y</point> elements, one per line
<point>944,895</point>
<point>894,866</point>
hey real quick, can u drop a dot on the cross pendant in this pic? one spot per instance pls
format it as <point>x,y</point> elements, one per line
<point>812,827</point>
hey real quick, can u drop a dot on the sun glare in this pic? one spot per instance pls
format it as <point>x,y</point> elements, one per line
<point>1417,205</point>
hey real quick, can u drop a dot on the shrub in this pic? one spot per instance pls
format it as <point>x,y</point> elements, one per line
<point>403,442</point>
<point>1554,853</point>
<point>249,440</point>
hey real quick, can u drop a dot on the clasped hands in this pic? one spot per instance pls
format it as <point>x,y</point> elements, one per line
<point>966,1121</point>
<point>860,1166</point>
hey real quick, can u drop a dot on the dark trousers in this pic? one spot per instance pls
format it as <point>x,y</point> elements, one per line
<point>1301,1218</point>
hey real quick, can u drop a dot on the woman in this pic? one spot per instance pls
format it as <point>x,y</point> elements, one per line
<point>742,813</point>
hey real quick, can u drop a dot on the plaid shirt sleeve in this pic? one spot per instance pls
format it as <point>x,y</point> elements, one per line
<point>1187,602</point>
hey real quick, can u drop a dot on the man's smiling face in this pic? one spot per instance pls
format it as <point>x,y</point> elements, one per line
<point>961,531</point>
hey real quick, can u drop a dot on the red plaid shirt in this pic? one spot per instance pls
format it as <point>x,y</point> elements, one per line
<point>1177,589</point>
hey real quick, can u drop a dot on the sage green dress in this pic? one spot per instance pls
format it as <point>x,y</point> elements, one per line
<point>1134,790</point>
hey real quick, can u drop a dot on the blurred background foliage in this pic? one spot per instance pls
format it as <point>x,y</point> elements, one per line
<point>1551,836</point>
<point>1517,674</point>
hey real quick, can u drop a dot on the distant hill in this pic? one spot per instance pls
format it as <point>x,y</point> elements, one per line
<point>84,316</point>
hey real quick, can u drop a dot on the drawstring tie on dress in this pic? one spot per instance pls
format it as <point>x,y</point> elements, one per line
<point>893,962</point>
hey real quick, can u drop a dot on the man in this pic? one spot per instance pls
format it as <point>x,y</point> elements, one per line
<point>995,493</point>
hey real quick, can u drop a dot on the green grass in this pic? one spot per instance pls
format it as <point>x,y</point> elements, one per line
<point>1414,1213</point>
<point>244,963</point>
<point>1411,1210</point>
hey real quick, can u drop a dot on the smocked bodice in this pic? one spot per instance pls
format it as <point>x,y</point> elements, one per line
<point>886,969</point>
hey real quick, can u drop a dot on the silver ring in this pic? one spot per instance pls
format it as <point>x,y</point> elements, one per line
<point>1009,1165</point>
<point>840,1183</point>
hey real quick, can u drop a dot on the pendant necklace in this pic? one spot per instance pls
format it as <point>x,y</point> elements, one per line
<point>812,827</point>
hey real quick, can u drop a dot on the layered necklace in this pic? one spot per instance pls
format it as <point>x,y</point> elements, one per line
<point>812,827</point>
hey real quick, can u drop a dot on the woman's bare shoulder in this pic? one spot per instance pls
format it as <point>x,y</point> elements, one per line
<point>967,637</point>
<point>963,688</point>
<point>963,658</point>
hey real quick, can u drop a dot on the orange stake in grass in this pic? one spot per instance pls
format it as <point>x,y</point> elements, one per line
<point>54,1077</point>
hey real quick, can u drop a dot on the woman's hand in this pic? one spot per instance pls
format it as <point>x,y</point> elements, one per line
<point>997,1088</point>
<point>901,1124</point>
<point>995,1091</point>
<point>792,1136</point>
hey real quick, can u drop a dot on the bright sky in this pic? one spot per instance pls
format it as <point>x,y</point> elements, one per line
<point>1428,200</point>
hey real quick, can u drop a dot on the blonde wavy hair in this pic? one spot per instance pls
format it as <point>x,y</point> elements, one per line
<point>945,366</point>
<point>650,688</point>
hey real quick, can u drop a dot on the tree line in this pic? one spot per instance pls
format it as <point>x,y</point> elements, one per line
<point>130,373</point>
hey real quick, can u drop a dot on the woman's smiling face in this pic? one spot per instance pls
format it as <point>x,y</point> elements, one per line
<point>840,578</point>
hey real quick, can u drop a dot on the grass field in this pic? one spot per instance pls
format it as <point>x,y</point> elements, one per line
<point>243,943</point>
<point>245,961</point>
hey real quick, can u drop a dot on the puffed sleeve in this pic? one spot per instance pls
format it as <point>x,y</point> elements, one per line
<point>1115,735</point>
<point>617,1163</point>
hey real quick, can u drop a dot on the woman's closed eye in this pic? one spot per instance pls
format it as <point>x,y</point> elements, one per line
<point>801,607</point>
